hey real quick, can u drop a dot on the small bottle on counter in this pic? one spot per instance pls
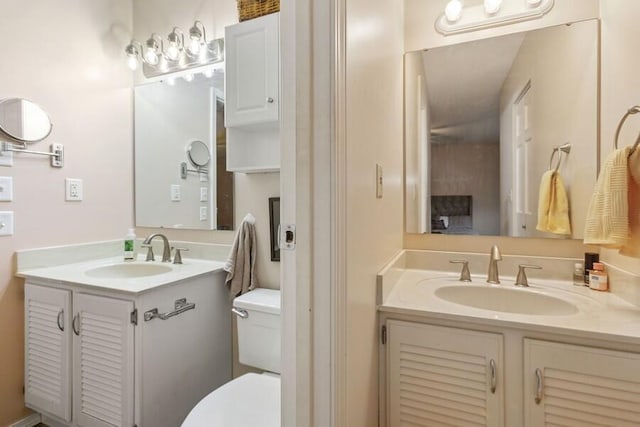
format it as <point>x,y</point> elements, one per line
<point>589,259</point>
<point>129,245</point>
<point>578,274</point>
<point>598,278</point>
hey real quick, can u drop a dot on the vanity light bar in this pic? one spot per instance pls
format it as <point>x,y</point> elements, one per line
<point>480,16</point>
<point>158,60</point>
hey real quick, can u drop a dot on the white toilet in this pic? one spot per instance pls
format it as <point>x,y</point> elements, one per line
<point>251,399</point>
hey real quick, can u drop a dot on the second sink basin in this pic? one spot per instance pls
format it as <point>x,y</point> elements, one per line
<point>128,270</point>
<point>507,300</point>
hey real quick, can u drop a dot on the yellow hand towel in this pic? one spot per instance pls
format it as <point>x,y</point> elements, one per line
<point>553,205</point>
<point>609,217</point>
<point>632,246</point>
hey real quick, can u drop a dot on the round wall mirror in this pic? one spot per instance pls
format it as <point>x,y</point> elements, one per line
<point>24,120</point>
<point>198,154</point>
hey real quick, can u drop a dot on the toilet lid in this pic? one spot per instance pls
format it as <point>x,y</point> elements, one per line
<point>247,401</point>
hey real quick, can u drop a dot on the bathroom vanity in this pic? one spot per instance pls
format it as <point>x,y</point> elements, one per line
<point>112,343</point>
<point>500,355</point>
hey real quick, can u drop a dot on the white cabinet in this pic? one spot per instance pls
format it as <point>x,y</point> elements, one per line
<point>573,385</point>
<point>102,361</point>
<point>96,351</point>
<point>48,350</point>
<point>252,64</point>
<point>443,376</point>
<point>252,95</point>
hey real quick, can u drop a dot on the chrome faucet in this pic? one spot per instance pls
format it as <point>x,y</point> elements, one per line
<point>166,252</point>
<point>494,257</point>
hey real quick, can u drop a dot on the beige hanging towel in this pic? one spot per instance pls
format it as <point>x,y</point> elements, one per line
<point>614,212</point>
<point>241,265</point>
<point>553,205</point>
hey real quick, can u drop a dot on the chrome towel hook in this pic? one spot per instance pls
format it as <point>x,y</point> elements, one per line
<point>564,148</point>
<point>633,110</point>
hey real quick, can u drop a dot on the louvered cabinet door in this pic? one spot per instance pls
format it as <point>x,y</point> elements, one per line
<point>48,350</point>
<point>102,362</point>
<point>438,376</point>
<point>568,385</point>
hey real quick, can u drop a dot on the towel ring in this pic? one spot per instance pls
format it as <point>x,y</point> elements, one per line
<point>633,110</point>
<point>564,148</point>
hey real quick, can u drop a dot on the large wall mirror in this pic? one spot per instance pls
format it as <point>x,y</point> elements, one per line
<point>482,120</point>
<point>180,154</point>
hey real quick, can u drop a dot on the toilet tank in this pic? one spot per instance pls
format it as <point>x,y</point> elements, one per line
<point>259,331</point>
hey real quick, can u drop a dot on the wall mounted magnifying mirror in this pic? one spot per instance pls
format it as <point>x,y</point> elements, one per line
<point>23,120</point>
<point>179,123</point>
<point>198,154</point>
<point>481,119</point>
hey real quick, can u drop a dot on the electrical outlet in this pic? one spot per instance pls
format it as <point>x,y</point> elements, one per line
<point>6,188</point>
<point>73,190</point>
<point>176,195</point>
<point>204,194</point>
<point>203,213</point>
<point>6,223</point>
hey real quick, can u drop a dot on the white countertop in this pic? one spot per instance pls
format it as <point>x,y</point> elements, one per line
<point>601,315</point>
<point>76,274</point>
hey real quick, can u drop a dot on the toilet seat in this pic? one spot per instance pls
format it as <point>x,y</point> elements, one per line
<point>247,401</point>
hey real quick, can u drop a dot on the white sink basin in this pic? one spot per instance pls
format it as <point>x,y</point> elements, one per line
<point>128,270</point>
<point>509,300</point>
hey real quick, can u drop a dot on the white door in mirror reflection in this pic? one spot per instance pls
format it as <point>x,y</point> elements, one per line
<point>523,221</point>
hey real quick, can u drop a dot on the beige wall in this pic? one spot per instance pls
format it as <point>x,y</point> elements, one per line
<point>620,88</point>
<point>69,60</point>
<point>420,34</point>
<point>374,81</point>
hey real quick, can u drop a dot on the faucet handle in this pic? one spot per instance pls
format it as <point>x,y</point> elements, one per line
<point>177,259</point>
<point>465,275</point>
<point>150,256</point>
<point>521,280</point>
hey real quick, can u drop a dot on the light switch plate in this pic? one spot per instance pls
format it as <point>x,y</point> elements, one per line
<point>6,158</point>
<point>203,213</point>
<point>73,190</point>
<point>176,195</point>
<point>379,181</point>
<point>204,194</point>
<point>6,223</point>
<point>6,188</point>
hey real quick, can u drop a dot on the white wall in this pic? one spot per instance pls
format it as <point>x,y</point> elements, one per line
<point>620,89</point>
<point>374,121</point>
<point>67,58</point>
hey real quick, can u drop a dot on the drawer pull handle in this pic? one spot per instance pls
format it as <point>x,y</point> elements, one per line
<point>75,324</point>
<point>61,320</point>
<point>539,386</point>
<point>180,306</point>
<point>494,376</point>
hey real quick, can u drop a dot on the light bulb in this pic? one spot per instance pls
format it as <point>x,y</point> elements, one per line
<point>188,77</point>
<point>492,6</point>
<point>194,46</point>
<point>132,62</point>
<point>173,52</point>
<point>151,57</point>
<point>453,10</point>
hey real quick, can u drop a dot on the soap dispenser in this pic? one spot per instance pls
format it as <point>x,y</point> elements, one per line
<point>129,245</point>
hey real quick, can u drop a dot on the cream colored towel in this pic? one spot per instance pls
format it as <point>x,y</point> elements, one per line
<point>614,212</point>
<point>240,266</point>
<point>553,205</point>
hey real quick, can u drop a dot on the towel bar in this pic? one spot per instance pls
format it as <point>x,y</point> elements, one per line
<point>633,110</point>
<point>181,305</point>
<point>564,148</point>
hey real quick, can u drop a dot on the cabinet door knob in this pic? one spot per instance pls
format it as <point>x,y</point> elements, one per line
<point>270,100</point>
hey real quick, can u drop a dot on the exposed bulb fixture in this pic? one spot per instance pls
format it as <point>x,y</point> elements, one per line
<point>160,58</point>
<point>152,50</point>
<point>132,55</point>
<point>453,10</point>
<point>198,38</point>
<point>492,6</point>
<point>176,44</point>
